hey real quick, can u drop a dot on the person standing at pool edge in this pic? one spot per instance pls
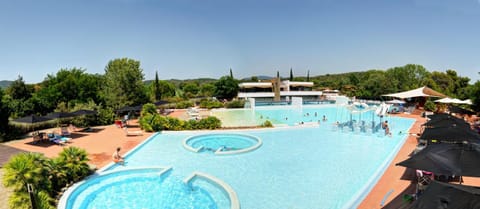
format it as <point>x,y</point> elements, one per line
<point>387,129</point>
<point>117,158</point>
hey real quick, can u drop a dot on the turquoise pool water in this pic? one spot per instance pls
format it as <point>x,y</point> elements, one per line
<point>115,189</point>
<point>296,167</point>
<point>214,142</point>
<point>290,116</point>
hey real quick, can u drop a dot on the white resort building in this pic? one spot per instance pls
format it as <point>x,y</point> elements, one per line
<point>266,93</point>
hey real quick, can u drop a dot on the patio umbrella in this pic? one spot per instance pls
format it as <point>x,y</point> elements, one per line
<point>451,134</point>
<point>124,109</point>
<point>446,122</point>
<point>31,119</point>
<point>439,116</point>
<point>161,102</point>
<point>459,110</point>
<point>84,112</point>
<point>447,159</point>
<point>451,196</point>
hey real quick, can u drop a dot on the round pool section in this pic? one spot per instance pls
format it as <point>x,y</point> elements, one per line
<point>148,188</point>
<point>222,143</point>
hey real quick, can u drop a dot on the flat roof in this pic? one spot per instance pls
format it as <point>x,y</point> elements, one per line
<point>255,85</point>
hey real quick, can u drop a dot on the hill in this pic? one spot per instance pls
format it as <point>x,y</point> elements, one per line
<point>4,84</point>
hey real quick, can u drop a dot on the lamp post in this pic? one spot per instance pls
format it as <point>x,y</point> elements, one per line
<point>32,196</point>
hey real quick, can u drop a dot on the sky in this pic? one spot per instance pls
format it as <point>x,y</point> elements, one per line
<point>186,39</point>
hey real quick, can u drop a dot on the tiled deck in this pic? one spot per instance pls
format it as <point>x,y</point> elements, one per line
<point>100,143</point>
<point>397,180</point>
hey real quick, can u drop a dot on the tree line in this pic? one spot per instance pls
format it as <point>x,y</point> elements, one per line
<point>123,83</point>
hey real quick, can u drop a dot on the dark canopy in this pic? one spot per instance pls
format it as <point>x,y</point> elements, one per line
<point>161,102</point>
<point>459,110</point>
<point>32,119</point>
<point>57,115</point>
<point>439,116</point>
<point>447,159</point>
<point>448,196</point>
<point>451,134</point>
<point>84,112</point>
<point>137,108</point>
<point>446,122</point>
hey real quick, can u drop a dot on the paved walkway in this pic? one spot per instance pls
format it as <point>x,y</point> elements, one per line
<point>4,193</point>
<point>6,152</point>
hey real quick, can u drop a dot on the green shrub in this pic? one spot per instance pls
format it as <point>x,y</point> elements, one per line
<point>235,104</point>
<point>267,123</point>
<point>105,116</point>
<point>209,123</point>
<point>184,104</point>
<point>146,122</point>
<point>148,108</point>
<point>156,122</point>
<point>430,106</point>
<point>209,104</point>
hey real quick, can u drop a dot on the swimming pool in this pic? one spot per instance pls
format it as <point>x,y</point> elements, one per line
<point>222,144</point>
<point>296,166</point>
<point>153,188</point>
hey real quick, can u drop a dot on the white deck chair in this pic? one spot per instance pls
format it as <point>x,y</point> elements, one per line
<point>132,133</point>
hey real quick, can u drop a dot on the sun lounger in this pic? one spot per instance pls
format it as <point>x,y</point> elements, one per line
<point>132,133</point>
<point>57,139</point>
<point>64,131</point>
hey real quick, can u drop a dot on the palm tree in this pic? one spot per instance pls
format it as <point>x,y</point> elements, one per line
<point>24,169</point>
<point>57,175</point>
<point>75,161</point>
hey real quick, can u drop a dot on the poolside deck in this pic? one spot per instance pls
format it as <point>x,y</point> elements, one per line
<point>100,143</point>
<point>397,180</point>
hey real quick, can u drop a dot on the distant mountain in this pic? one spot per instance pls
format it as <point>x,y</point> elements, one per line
<point>177,82</point>
<point>4,84</point>
<point>259,77</point>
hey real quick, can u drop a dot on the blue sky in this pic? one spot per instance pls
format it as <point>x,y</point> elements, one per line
<point>204,38</point>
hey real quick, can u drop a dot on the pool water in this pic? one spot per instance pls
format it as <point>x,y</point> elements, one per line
<point>149,188</point>
<point>296,167</point>
<point>290,116</point>
<point>221,141</point>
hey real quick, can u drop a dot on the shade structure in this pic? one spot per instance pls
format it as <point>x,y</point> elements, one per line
<point>459,110</point>
<point>59,115</point>
<point>467,101</point>
<point>448,100</point>
<point>447,159</point>
<point>451,196</point>
<point>395,101</point>
<point>31,119</point>
<point>137,108</point>
<point>84,112</point>
<point>420,92</point>
<point>161,102</point>
<point>446,122</point>
<point>439,116</point>
<point>451,134</point>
